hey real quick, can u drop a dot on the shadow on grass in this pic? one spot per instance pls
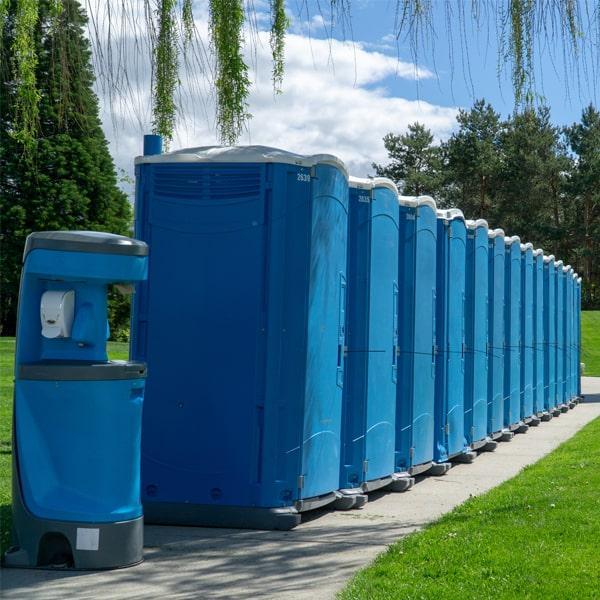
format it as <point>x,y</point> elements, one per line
<point>5,527</point>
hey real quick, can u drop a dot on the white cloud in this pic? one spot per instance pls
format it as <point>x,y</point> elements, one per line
<point>334,100</point>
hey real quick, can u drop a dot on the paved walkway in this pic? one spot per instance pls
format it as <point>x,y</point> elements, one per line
<point>314,560</point>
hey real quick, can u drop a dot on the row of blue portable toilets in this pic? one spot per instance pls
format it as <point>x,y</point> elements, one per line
<point>309,338</point>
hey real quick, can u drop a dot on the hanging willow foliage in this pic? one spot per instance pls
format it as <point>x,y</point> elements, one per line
<point>167,29</point>
<point>231,78</point>
<point>279,25</point>
<point>167,65</point>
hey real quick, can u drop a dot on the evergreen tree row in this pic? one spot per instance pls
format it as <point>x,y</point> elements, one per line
<point>70,181</point>
<point>523,174</point>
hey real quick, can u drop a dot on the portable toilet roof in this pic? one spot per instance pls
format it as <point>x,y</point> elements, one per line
<point>559,263</point>
<point>492,233</point>
<point>513,239</point>
<point>368,183</point>
<point>450,214</point>
<point>566,268</point>
<point>548,258</point>
<point>475,223</point>
<point>242,154</point>
<point>538,251</point>
<point>526,246</point>
<point>415,201</point>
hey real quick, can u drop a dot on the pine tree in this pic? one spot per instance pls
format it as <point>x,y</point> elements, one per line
<point>584,189</point>
<point>415,162</point>
<point>474,159</point>
<point>69,182</point>
<point>532,181</point>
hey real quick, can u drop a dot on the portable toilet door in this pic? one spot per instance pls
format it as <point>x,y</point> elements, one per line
<point>242,323</point>
<point>569,396</point>
<point>550,336</point>
<point>560,336</point>
<point>369,397</point>
<point>476,333</point>
<point>527,325</point>
<point>450,441</point>
<point>538,336</point>
<point>578,329</point>
<point>417,341</point>
<point>512,336</point>
<point>495,393</point>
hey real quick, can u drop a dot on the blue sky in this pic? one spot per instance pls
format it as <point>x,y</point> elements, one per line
<point>464,71</point>
<point>342,92</point>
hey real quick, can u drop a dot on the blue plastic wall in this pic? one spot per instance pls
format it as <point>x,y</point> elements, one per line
<point>568,341</point>
<point>476,330</point>
<point>560,335</point>
<point>417,356</point>
<point>369,398</point>
<point>527,330</point>
<point>550,335</point>
<point>77,443</point>
<point>538,334</point>
<point>495,392</point>
<point>512,336</point>
<point>578,331</point>
<point>244,328</point>
<point>450,322</point>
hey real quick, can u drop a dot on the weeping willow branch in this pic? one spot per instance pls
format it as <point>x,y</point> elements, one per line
<point>25,60</point>
<point>279,25</point>
<point>187,22</point>
<point>231,79</point>
<point>167,66</point>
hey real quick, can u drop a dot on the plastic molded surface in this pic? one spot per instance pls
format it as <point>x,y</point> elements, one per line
<point>243,322</point>
<point>79,448</point>
<point>496,264</point>
<point>417,356</point>
<point>512,335</point>
<point>369,405</point>
<point>450,333</point>
<point>476,331</point>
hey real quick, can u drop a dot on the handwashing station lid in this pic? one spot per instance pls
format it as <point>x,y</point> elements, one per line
<point>84,241</point>
<point>242,154</point>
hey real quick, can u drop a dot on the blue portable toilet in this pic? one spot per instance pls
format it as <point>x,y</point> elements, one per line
<point>512,336</point>
<point>77,416</point>
<point>569,392</point>
<point>450,440</point>
<point>495,350</point>
<point>567,335</point>
<point>550,336</point>
<point>417,337</point>
<point>243,415</point>
<point>369,396</point>
<point>528,415</point>
<point>539,408</point>
<point>578,345</point>
<point>476,337</point>
<point>560,337</point>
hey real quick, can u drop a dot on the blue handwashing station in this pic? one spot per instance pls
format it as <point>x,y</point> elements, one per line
<point>77,415</point>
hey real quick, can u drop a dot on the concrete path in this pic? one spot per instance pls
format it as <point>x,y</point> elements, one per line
<point>317,558</point>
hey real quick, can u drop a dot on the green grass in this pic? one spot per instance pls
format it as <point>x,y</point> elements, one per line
<point>535,536</point>
<point>116,350</point>
<point>590,342</point>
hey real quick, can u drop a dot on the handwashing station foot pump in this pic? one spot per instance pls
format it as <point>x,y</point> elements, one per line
<point>77,415</point>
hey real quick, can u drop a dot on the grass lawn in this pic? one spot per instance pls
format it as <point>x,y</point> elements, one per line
<point>590,341</point>
<point>116,350</point>
<point>535,536</point>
